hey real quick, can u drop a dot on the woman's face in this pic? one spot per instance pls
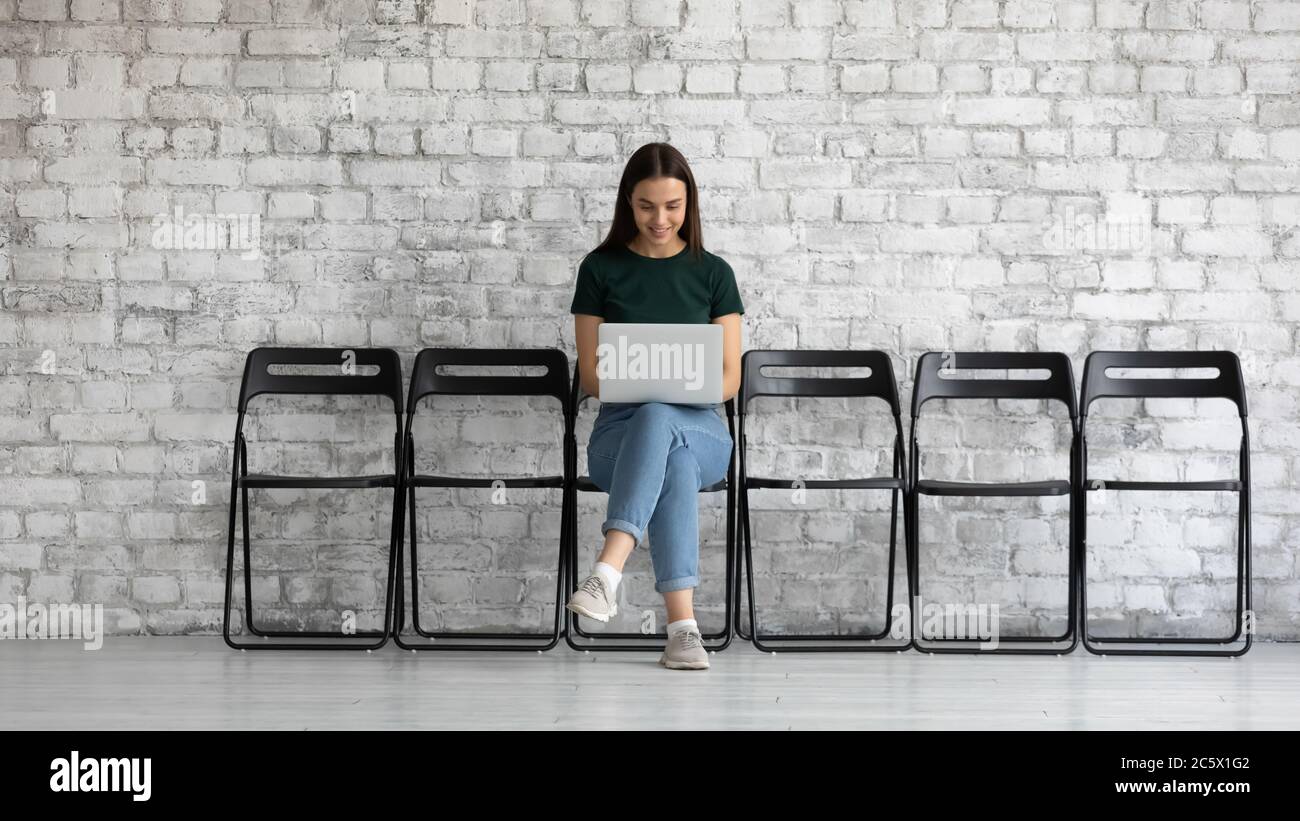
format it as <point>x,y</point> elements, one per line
<point>659,205</point>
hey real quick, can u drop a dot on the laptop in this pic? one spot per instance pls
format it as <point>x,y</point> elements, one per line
<point>679,364</point>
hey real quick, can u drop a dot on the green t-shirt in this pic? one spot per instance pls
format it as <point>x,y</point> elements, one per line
<point>620,285</point>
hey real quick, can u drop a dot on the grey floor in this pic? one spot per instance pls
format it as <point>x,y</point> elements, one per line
<point>197,682</point>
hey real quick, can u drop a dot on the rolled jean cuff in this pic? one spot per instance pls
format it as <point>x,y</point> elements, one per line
<point>680,583</point>
<point>627,527</point>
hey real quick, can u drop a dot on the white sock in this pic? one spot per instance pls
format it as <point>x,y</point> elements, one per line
<point>682,624</point>
<point>611,576</point>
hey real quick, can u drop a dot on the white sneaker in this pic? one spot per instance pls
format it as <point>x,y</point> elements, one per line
<point>593,599</point>
<point>685,651</point>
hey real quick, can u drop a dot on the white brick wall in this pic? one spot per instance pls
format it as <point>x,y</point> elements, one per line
<point>880,173</point>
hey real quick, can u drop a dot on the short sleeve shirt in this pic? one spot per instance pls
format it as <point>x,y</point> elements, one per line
<point>620,285</point>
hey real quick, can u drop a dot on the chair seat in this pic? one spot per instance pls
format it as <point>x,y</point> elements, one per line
<point>585,485</point>
<point>1124,484</point>
<point>425,480</point>
<point>934,487</point>
<point>309,482</point>
<point>871,483</point>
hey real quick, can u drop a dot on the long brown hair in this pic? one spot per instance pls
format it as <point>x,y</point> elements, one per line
<point>647,162</point>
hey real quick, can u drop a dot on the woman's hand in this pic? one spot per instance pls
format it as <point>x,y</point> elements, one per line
<point>586,337</point>
<point>730,354</point>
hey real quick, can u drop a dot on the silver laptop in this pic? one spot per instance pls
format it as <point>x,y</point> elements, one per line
<point>650,362</point>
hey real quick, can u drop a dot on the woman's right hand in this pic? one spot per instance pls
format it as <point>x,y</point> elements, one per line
<point>586,335</point>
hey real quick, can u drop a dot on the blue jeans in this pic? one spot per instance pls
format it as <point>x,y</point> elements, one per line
<point>652,459</point>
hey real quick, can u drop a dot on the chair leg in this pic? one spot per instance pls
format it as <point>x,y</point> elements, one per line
<point>343,641</point>
<point>737,625</point>
<point>394,548</point>
<point>743,571</point>
<point>561,565</point>
<point>415,568</point>
<point>1021,645</point>
<point>248,570</point>
<point>441,640</point>
<point>230,559</point>
<point>729,599</point>
<point>836,643</point>
<point>749,566</point>
<point>399,581</point>
<point>1103,645</point>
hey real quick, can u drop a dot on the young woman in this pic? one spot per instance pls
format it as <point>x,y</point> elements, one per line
<point>652,458</point>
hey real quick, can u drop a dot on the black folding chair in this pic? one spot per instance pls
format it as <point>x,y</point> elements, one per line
<point>427,381</point>
<point>1226,384</point>
<point>879,383</point>
<point>641,642</point>
<point>932,382</point>
<point>348,380</point>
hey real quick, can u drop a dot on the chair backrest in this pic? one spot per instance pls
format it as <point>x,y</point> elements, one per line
<point>930,383</point>
<point>1226,384</point>
<point>347,380</point>
<point>426,381</point>
<point>879,383</point>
